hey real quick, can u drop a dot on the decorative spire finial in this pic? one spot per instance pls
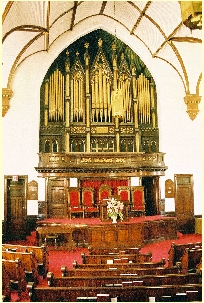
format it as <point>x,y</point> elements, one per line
<point>100,42</point>
<point>86,45</point>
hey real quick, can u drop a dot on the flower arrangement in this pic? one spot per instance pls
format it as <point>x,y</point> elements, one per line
<point>114,208</point>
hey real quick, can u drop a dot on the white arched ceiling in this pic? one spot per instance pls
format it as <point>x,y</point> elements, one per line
<point>151,28</point>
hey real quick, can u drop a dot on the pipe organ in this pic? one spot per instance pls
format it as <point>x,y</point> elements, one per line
<point>98,105</point>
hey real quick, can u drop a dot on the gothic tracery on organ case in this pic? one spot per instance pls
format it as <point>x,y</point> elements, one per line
<point>98,106</point>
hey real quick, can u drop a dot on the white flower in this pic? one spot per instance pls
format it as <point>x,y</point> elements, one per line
<point>114,208</point>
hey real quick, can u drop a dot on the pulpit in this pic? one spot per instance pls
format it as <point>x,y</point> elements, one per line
<point>104,213</point>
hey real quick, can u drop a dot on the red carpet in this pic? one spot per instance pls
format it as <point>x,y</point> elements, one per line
<point>159,250</point>
<point>57,258</point>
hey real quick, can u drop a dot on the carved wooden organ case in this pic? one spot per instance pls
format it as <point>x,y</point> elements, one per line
<point>98,106</point>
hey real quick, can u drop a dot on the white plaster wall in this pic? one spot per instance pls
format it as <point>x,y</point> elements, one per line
<point>180,138</point>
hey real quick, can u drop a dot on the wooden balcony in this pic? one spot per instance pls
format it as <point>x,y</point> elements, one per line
<point>93,164</point>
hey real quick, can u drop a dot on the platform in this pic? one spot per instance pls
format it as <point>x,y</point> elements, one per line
<point>93,232</point>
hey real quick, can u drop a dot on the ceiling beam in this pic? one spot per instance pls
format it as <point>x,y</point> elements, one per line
<point>103,7</point>
<point>140,17</point>
<point>167,39</point>
<point>73,15</point>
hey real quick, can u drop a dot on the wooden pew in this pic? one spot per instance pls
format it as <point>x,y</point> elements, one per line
<point>16,274</point>
<point>119,265</point>
<point>126,294</point>
<point>29,263</point>
<point>41,255</point>
<point>177,250</point>
<point>114,271</point>
<point>6,285</point>
<point>146,280</point>
<point>103,259</point>
<point>190,259</point>
<point>115,250</point>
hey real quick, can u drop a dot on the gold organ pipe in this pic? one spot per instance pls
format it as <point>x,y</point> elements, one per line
<point>134,84</point>
<point>81,97</point>
<point>61,102</point>
<point>93,99</point>
<point>139,99</point>
<point>56,95</point>
<point>74,94</point>
<point>145,99</point>
<point>63,97</point>
<point>109,99</point>
<point>96,85</point>
<point>153,120</point>
<point>46,93</point>
<point>104,96</point>
<point>67,85</point>
<point>100,88</point>
<point>137,143</point>
<point>54,90</point>
<point>72,99</point>
<point>136,114</point>
<point>96,94</point>
<point>59,96</point>
<point>87,76</point>
<point>46,103</point>
<point>49,100</point>
<point>76,98</point>
<point>45,117</point>
<point>100,94</point>
<point>139,102</point>
<point>67,138</point>
<point>152,95</point>
<point>149,109</point>
<point>52,97</point>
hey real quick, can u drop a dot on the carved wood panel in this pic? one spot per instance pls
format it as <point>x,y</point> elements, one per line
<point>15,206</point>
<point>184,201</point>
<point>57,198</point>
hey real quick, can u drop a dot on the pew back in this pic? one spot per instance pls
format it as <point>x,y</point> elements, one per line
<point>29,263</point>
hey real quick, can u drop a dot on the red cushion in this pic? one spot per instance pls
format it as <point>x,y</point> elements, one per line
<point>74,198</point>
<point>88,198</point>
<point>124,196</point>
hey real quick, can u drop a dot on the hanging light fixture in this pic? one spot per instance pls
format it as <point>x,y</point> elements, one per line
<point>191,13</point>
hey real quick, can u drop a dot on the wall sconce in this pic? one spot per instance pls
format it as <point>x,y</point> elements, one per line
<point>192,102</point>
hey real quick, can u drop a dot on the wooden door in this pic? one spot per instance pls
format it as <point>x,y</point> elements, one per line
<point>184,202</point>
<point>15,206</point>
<point>151,193</point>
<point>57,198</point>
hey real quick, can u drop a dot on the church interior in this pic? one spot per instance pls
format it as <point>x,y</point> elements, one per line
<point>101,151</point>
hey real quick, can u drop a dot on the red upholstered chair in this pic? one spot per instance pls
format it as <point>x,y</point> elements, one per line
<point>104,192</point>
<point>138,203</point>
<point>88,202</point>
<point>124,193</point>
<point>74,205</point>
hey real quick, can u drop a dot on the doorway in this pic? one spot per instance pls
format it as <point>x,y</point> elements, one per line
<point>151,194</point>
<point>15,206</point>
